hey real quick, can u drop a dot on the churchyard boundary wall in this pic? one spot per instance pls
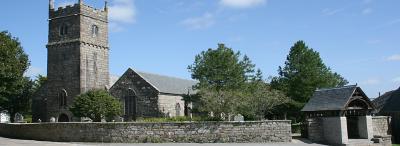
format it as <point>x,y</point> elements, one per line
<point>184,132</point>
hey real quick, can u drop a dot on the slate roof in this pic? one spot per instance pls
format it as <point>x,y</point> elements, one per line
<point>389,102</point>
<point>330,99</point>
<point>165,84</point>
<point>380,101</point>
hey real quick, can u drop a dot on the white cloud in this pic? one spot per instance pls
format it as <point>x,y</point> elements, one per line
<point>396,80</point>
<point>367,11</point>
<point>33,71</point>
<point>395,57</point>
<point>371,82</point>
<point>66,3</point>
<point>115,27</point>
<point>330,12</point>
<point>122,11</point>
<point>205,21</point>
<point>242,3</point>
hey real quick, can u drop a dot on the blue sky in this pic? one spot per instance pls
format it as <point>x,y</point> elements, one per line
<point>359,39</point>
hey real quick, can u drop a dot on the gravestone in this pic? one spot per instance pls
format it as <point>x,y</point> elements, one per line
<point>18,118</point>
<point>52,120</point>
<point>239,118</point>
<point>4,117</point>
<point>85,119</point>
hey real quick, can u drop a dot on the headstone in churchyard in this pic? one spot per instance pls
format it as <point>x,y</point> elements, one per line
<point>239,118</point>
<point>4,117</point>
<point>85,119</point>
<point>52,120</point>
<point>18,118</point>
<point>119,119</point>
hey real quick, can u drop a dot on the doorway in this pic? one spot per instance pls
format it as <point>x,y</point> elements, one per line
<point>352,127</point>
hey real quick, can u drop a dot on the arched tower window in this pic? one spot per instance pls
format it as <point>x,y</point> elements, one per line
<point>95,30</point>
<point>63,98</point>
<point>178,109</point>
<point>63,30</point>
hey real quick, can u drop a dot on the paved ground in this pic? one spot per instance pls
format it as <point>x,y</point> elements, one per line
<point>17,142</point>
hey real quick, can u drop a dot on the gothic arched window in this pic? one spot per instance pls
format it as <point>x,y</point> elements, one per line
<point>63,98</point>
<point>130,104</point>
<point>95,30</point>
<point>63,29</point>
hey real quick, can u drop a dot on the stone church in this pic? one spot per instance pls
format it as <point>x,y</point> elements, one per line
<point>77,61</point>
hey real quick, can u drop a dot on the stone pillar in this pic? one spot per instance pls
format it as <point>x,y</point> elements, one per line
<point>335,130</point>
<point>365,127</point>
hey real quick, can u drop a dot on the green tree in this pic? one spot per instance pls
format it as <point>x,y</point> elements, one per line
<point>303,73</point>
<point>39,82</point>
<point>229,85</point>
<point>96,105</point>
<point>13,85</point>
<point>260,99</point>
<point>221,72</point>
<point>221,68</point>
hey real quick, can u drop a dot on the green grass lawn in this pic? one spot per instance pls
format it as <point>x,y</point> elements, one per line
<point>396,144</point>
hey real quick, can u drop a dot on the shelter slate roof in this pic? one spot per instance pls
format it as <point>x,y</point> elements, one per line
<point>389,102</point>
<point>165,84</point>
<point>330,99</point>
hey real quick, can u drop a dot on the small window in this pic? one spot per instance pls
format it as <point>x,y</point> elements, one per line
<point>63,30</point>
<point>63,98</point>
<point>95,30</point>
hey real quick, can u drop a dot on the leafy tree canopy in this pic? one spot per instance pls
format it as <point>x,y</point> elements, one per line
<point>96,105</point>
<point>39,82</point>
<point>14,87</point>
<point>221,68</point>
<point>303,73</point>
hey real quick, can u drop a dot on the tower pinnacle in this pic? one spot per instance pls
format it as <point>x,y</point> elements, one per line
<point>51,4</point>
<point>105,5</point>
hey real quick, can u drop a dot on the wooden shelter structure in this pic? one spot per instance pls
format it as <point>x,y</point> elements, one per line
<point>339,115</point>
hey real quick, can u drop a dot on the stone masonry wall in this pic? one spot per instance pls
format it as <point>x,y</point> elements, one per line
<point>380,125</point>
<point>199,132</point>
<point>146,94</point>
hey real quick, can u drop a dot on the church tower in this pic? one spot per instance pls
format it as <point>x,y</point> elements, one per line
<point>77,59</point>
